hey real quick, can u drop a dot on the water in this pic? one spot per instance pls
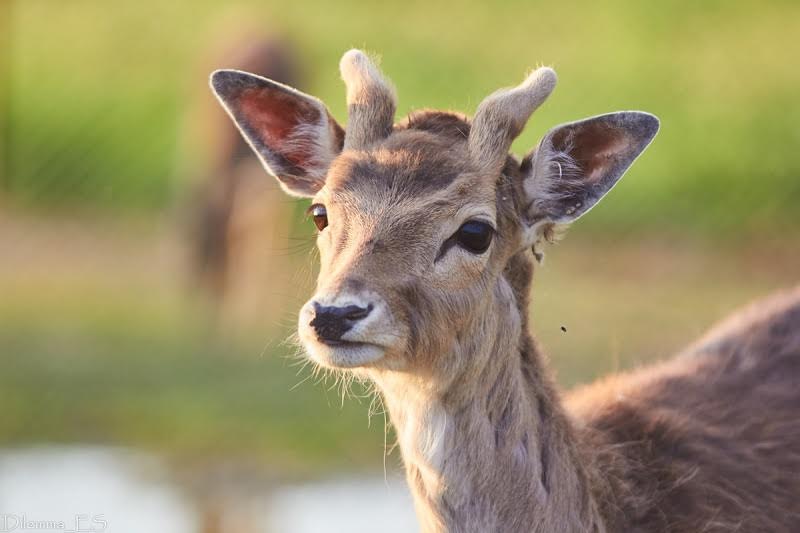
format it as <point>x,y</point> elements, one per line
<point>99,490</point>
<point>344,506</point>
<point>84,488</point>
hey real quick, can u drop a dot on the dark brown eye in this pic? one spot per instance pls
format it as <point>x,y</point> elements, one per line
<point>475,236</point>
<point>320,216</point>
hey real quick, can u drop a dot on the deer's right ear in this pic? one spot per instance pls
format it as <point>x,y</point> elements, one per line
<point>293,134</point>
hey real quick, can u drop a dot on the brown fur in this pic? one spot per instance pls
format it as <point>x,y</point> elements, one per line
<point>705,442</point>
<point>709,441</point>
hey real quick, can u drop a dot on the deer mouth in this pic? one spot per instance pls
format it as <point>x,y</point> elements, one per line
<point>340,342</point>
<point>343,353</point>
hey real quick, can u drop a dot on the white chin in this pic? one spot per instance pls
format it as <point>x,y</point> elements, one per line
<point>344,355</point>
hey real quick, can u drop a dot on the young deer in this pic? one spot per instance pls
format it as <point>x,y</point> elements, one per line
<point>425,232</point>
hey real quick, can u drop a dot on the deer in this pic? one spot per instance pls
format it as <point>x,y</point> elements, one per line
<point>231,212</point>
<point>429,232</point>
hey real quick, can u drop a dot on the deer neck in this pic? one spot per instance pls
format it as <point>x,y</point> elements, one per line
<point>491,448</point>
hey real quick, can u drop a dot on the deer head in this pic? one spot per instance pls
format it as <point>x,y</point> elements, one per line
<point>424,225</point>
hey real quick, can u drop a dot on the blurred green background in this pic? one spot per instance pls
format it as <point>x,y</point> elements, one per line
<point>98,90</point>
<point>107,145</point>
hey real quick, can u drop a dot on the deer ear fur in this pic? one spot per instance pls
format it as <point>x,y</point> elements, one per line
<point>293,134</point>
<point>578,163</point>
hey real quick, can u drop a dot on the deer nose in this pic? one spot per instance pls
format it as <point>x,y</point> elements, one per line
<point>331,322</point>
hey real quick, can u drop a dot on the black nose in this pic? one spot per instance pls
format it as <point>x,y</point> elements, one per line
<point>332,322</point>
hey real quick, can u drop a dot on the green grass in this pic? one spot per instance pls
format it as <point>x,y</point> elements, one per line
<point>102,94</point>
<point>149,377</point>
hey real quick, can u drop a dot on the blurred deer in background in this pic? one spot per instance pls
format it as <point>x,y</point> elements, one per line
<point>426,232</point>
<point>237,222</point>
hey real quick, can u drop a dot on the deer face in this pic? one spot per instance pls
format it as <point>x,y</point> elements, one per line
<point>409,239</point>
<point>417,222</point>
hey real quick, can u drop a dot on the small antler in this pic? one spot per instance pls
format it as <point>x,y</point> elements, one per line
<point>371,101</point>
<point>502,115</point>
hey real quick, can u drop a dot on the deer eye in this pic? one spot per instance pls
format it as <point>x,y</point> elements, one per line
<point>320,216</point>
<point>474,236</point>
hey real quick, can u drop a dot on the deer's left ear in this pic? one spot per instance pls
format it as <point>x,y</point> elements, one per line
<point>576,164</point>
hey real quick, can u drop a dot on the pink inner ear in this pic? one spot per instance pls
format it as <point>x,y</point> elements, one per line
<point>595,147</point>
<point>274,116</point>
